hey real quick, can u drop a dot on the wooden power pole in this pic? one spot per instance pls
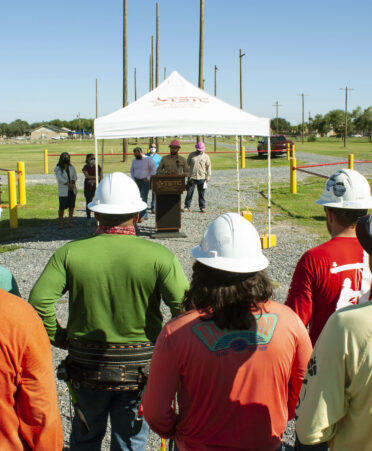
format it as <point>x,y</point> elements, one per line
<point>241,89</point>
<point>201,51</point>
<point>346,89</point>
<point>125,72</point>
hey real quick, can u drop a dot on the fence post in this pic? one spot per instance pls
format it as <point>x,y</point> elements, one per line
<point>351,161</point>
<point>45,161</point>
<point>21,182</point>
<point>242,157</point>
<point>293,176</point>
<point>13,215</point>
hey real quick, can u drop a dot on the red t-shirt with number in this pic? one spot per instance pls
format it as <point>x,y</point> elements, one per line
<point>328,277</point>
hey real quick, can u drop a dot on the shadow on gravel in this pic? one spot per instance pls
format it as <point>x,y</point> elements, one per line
<point>32,230</point>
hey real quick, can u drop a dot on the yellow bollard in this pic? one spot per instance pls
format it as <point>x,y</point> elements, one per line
<point>288,150</point>
<point>247,214</point>
<point>21,182</point>
<point>268,241</point>
<point>13,216</point>
<point>351,161</point>
<point>242,157</point>
<point>293,176</point>
<point>45,161</point>
<point>162,445</point>
<point>293,151</point>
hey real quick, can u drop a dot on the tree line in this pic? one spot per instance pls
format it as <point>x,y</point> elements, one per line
<point>21,128</point>
<point>358,122</point>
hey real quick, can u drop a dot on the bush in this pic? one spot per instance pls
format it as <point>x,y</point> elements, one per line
<point>311,138</point>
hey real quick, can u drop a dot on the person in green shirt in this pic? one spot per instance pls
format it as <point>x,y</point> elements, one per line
<point>115,282</point>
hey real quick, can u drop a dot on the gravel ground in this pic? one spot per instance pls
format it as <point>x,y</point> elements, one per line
<point>27,262</point>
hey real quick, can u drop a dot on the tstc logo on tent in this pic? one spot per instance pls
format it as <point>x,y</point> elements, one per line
<point>173,101</point>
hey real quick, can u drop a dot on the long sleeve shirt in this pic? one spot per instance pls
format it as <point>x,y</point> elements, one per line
<point>144,168</point>
<point>63,179</point>
<point>236,388</point>
<point>115,285</point>
<point>29,416</point>
<point>200,166</point>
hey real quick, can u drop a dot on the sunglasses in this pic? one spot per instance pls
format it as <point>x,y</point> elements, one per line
<point>174,147</point>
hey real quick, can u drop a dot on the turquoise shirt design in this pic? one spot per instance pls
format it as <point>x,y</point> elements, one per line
<point>217,339</point>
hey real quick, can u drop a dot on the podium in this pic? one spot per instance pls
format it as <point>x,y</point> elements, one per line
<point>168,189</point>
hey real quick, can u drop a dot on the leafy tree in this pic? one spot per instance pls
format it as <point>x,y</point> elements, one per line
<point>336,120</point>
<point>283,125</point>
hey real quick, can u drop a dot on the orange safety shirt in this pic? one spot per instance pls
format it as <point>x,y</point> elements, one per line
<point>29,416</point>
<point>236,388</point>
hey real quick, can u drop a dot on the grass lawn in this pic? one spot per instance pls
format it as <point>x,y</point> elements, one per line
<point>41,209</point>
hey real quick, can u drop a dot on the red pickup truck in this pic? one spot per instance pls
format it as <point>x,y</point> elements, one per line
<point>278,145</point>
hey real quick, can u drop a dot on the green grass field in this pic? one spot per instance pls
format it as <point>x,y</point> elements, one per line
<point>42,200</point>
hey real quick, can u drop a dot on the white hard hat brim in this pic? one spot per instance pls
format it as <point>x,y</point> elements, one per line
<point>348,205</point>
<point>114,209</point>
<point>240,265</point>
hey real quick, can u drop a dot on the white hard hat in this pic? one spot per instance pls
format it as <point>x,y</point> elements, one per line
<point>346,189</point>
<point>231,243</point>
<point>117,194</point>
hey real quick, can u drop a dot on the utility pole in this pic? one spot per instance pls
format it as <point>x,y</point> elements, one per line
<point>157,60</point>
<point>96,97</point>
<point>276,104</point>
<point>201,49</point>
<point>125,72</point>
<point>241,90</point>
<point>135,84</point>
<point>78,116</point>
<point>152,62</point>
<point>309,123</point>
<point>303,116</point>
<point>215,94</point>
<point>346,89</point>
<point>165,72</point>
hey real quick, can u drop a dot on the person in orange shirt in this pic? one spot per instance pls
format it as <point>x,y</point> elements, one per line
<point>29,416</point>
<point>236,359</point>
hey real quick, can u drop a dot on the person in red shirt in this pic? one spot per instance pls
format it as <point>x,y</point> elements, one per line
<point>236,359</point>
<point>89,171</point>
<point>29,417</point>
<point>336,273</point>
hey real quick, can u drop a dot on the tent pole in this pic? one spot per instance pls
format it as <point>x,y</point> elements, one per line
<point>269,190</point>
<point>103,154</point>
<point>237,171</point>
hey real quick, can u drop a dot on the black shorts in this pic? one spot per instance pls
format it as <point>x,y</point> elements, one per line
<point>67,202</point>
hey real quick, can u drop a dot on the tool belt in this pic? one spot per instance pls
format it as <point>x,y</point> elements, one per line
<point>108,366</point>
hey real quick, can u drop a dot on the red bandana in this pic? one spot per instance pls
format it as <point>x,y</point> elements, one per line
<point>115,230</point>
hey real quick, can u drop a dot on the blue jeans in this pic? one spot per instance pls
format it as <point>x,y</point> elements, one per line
<point>152,201</point>
<point>190,192</point>
<point>127,433</point>
<point>144,188</point>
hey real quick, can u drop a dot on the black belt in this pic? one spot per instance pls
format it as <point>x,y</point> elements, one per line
<point>109,366</point>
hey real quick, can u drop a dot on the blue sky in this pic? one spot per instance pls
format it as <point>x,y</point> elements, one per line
<point>52,53</point>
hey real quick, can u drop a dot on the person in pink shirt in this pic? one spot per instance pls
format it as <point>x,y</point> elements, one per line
<point>235,358</point>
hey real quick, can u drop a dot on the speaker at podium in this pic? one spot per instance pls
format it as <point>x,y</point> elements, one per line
<point>168,189</point>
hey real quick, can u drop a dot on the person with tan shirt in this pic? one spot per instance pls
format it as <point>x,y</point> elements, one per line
<point>173,163</point>
<point>199,175</point>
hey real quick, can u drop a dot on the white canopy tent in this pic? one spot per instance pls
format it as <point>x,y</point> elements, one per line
<point>178,108</point>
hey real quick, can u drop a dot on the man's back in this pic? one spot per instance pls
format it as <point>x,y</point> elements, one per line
<point>328,277</point>
<point>115,283</point>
